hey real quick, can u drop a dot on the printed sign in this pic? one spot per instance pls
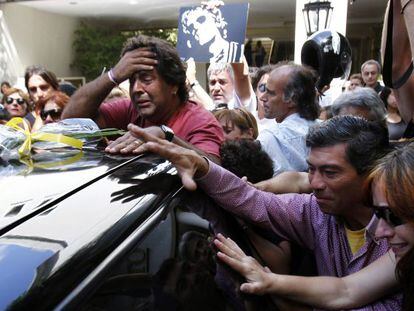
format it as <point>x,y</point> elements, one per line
<point>212,35</point>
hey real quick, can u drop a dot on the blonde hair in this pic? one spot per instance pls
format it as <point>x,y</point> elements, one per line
<point>22,94</point>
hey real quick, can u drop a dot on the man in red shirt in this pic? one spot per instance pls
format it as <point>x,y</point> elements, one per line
<point>159,100</point>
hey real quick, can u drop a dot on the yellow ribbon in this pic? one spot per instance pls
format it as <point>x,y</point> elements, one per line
<point>31,165</point>
<point>26,147</point>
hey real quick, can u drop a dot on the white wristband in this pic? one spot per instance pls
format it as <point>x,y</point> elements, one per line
<point>194,84</point>
<point>111,77</point>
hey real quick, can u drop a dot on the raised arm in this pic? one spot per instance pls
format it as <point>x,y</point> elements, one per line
<point>86,101</point>
<point>358,289</point>
<point>199,92</point>
<point>242,84</point>
<point>286,182</point>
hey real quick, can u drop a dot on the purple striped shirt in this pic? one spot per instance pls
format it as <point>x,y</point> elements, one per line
<point>297,217</point>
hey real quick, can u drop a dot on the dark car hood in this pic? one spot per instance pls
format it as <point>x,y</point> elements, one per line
<point>54,219</point>
<point>28,185</point>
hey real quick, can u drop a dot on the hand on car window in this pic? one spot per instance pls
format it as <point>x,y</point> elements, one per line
<point>257,276</point>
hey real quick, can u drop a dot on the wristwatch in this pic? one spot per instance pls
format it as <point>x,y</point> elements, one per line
<point>169,133</point>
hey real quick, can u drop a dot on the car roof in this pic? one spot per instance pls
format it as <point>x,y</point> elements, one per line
<point>58,223</point>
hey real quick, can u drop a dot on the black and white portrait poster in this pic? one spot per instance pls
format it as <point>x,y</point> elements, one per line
<point>212,35</point>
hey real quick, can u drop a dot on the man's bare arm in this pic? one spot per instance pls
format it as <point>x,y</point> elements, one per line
<point>286,182</point>
<point>199,92</point>
<point>86,101</point>
<point>365,286</point>
<point>242,84</point>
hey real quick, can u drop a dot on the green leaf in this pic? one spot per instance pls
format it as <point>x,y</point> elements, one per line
<point>96,48</point>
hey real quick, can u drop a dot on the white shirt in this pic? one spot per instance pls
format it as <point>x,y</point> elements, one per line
<point>285,143</point>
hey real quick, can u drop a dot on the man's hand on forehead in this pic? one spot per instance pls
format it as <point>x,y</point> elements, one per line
<point>134,61</point>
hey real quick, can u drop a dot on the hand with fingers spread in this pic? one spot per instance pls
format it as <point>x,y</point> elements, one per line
<point>124,144</point>
<point>258,278</point>
<point>134,61</point>
<point>188,163</point>
<point>130,142</point>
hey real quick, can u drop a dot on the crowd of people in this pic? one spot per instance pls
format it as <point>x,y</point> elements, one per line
<point>337,184</point>
<point>42,102</point>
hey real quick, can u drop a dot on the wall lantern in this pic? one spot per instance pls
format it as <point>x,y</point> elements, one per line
<point>317,16</point>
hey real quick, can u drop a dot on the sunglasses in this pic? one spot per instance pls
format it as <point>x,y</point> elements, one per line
<point>10,101</point>
<point>53,113</point>
<point>262,87</point>
<point>384,212</point>
<point>222,106</point>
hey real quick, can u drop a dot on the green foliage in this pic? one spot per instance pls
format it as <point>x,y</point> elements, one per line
<point>169,35</point>
<point>96,48</point>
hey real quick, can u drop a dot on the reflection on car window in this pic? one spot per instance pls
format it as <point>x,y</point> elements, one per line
<point>166,271</point>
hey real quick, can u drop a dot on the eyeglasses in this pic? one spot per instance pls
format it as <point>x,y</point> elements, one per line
<point>53,113</point>
<point>387,214</point>
<point>262,87</point>
<point>10,100</point>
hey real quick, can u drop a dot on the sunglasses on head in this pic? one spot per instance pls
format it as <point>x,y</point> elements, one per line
<point>10,100</point>
<point>262,87</point>
<point>53,113</point>
<point>384,212</point>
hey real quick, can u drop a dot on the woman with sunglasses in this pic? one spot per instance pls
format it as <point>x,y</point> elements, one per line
<point>49,109</point>
<point>16,103</point>
<point>391,184</point>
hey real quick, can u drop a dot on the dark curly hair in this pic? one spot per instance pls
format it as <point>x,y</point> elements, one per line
<point>367,141</point>
<point>169,66</point>
<point>245,157</point>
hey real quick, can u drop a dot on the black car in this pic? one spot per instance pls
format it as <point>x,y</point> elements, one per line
<point>91,231</point>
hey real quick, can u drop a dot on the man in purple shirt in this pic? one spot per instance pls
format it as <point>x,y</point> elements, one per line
<point>342,151</point>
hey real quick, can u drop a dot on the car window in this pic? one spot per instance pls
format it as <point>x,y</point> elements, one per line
<point>169,269</point>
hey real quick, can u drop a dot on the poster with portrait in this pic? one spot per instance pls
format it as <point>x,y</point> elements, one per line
<point>212,35</point>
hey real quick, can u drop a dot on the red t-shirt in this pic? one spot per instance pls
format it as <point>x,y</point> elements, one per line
<point>192,123</point>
